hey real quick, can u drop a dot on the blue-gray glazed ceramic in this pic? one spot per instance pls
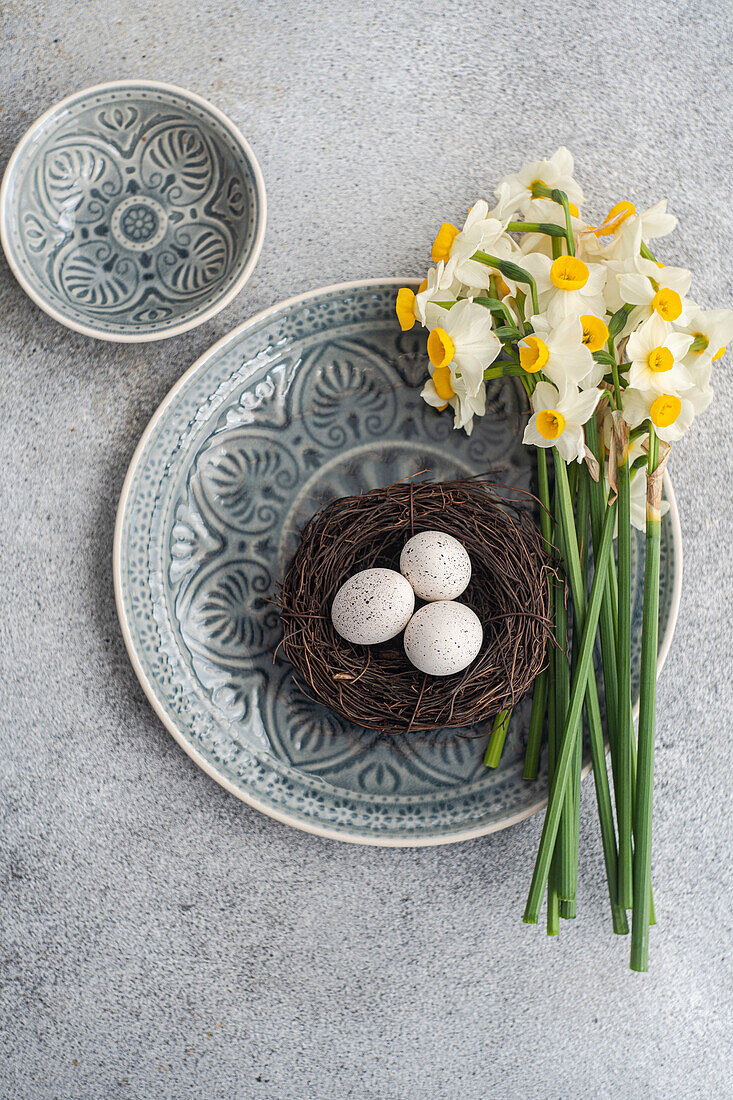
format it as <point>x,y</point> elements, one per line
<point>315,398</point>
<point>132,211</point>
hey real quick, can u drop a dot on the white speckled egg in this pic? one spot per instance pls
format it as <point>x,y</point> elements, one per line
<point>436,565</point>
<point>443,637</point>
<point>372,606</point>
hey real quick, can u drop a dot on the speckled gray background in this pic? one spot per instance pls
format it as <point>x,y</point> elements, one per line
<point>160,939</point>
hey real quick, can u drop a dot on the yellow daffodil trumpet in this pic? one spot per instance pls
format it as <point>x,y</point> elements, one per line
<point>660,360</point>
<point>441,349</point>
<point>569,273</point>
<point>443,242</point>
<point>667,303</point>
<point>595,332</point>
<point>665,410</point>
<point>550,423</point>
<point>405,308</point>
<point>443,382</point>
<point>533,354</point>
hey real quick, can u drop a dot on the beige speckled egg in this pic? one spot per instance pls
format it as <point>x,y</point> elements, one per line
<point>436,565</point>
<point>443,637</point>
<point>372,606</point>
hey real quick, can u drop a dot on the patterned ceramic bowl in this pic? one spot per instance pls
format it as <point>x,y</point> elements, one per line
<point>132,211</point>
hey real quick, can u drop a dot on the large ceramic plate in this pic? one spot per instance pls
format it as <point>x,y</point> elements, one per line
<point>315,398</point>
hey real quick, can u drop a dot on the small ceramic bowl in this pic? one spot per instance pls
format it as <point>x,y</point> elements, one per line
<point>132,211</point>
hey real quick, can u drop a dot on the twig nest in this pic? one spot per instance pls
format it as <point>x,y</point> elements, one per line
<point>436,564</point>
<point>509,591</point>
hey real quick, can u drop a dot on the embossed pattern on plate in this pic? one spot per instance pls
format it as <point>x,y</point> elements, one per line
<point>313,399</point>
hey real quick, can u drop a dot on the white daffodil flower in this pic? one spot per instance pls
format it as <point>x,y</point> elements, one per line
<point>411,306</point>
<point>440,285</point>
<point>652,288</point>
<point>567,286</point>
<point>655,351</point>
<point>439,392</point>
<point>670,413</point>
<point>631,228</point>
<point>711,330</point>
<point>463,342</point>
<point>561,353</point>
<point>506,207</point>
<point>627,229</point>
<point>557,172</point>
<point>558,419</point>
<point>455,247</point>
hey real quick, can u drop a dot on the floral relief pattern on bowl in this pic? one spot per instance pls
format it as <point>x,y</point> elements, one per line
<point>132,211</point>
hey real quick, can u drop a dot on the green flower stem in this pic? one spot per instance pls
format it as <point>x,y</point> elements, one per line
<point>623,666</point>
<point>563,200</point>
<point>617,388</point>
<point>598,502</point>
<point>582,506</point>
<point>646,253</point>
<point>543,480</point>
<point>499,731</point>
<point>611,599</point>
<point>567,850</point>
<point>553,912</point>
<point>581,526</point>
<point>553,901</point>
<point>536,725</point>
<point>652,914</point>
<point>512,271</point>
<point>566,746</point>
<point>548,228</point>
<point>643,805</point>
<point>539,697</point>
<point>540,191</point>
<point>495,305</point>
<point>505,370</point>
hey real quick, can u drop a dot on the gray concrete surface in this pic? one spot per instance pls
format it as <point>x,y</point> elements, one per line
<point>160,939</point>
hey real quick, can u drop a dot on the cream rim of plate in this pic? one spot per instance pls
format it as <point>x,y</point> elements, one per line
<point>185,326</point>
<point>255,803</point>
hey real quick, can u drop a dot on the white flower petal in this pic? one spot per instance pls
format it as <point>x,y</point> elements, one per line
<point>578,407</point>
<point>678,343</point>
<point>636,405</point>
<point>533,437</point>
<point>430,395</point>
<point>471,369</point>
<point>571,444</point>
<point>545,396</point>
<point>636,289</point>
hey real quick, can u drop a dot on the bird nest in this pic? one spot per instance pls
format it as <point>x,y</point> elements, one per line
<point>376,686</point>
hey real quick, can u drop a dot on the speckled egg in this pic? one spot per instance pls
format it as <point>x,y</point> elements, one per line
<point>443,637</point>
<point>436,565</point>
<point>372,606</point>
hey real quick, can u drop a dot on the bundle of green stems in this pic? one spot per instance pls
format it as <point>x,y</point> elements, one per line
<point>591,599</point>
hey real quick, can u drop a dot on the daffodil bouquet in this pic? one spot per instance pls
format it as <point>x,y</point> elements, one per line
<point>616,361</point>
